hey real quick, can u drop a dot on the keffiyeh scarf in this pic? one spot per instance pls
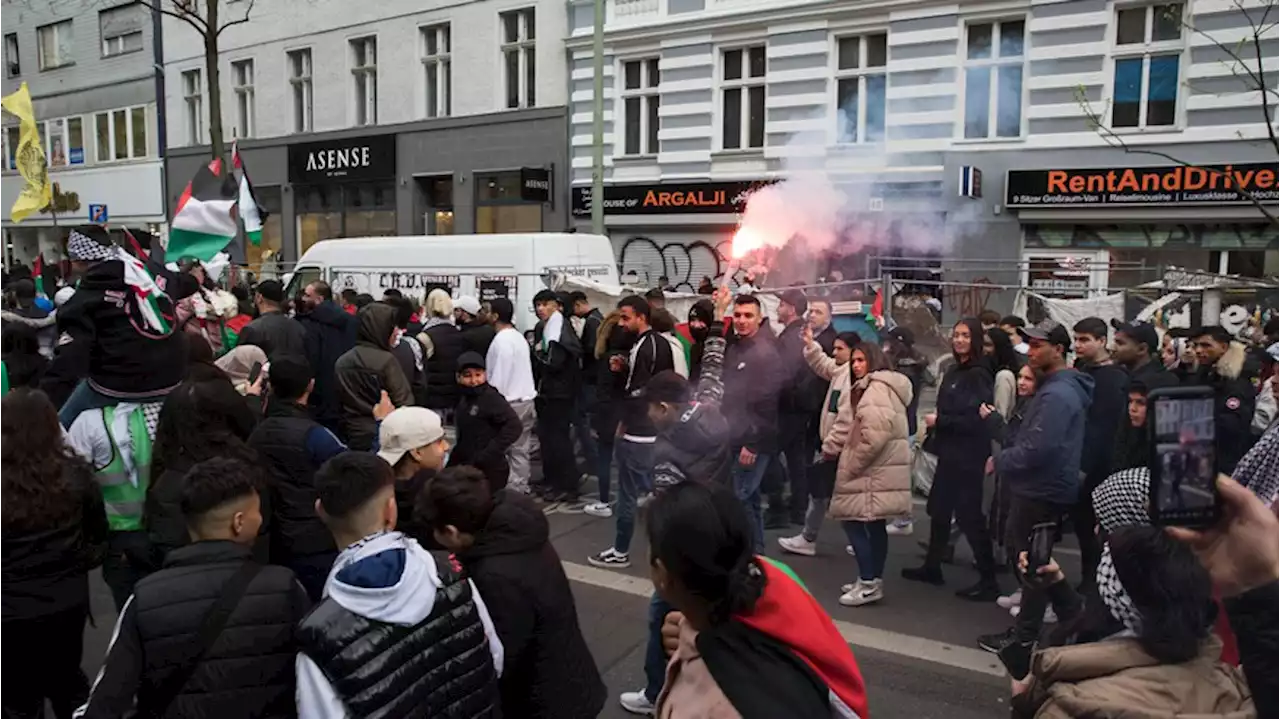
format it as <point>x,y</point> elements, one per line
<point>1114,595</point>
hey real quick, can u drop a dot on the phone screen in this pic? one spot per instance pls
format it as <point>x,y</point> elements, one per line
<point>1184,434</point>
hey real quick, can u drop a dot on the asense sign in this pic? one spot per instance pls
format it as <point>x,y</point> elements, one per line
<point>1207,184</point>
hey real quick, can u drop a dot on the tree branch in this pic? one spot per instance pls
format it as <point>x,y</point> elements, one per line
<point>189,18</point>
<point>1262,77</point>
<point>238,21</point>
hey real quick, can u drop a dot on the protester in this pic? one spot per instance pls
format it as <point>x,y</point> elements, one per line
<point>664,323</point>
<point>656,298</point>
<point>330,333</point>
<point>203,314</point>
<point>1041,468</point>
<point>833,433</point>
<point>612,340</point>
<point>795,405</point>
<point>1010,325</point>
<point>961,441</point>
<point>393,636</point>
<point>444,344</point>
<point>701,317</point>
<point>238,365</point>
<point>1004,360</point>
<point>411,440</point>
<point>292,446</point>
<point>237,616</point>
<point>477,331</point>
<point>273,331</point>
<point>367,370</point>
<point>753,379</point>
<point>1136,349</point>
<point>1265,405</point>
<point>899,347</point>
<point>752,641</point>
<point>24,366</point>
<point>989,319</point>
<point>55,533</point>
<point>1005,430</point>
<point>347,301</point>
<point>556,357</point>
<point>41,321</point>
<point>409,351</point>
<point>502,541</point>
<point>586,321</point>
<point>1222,365</point>
<point>509,370</point>
<point>487,426</point>
<point>705,286</point>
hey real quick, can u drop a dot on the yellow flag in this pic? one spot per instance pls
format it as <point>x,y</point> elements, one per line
<point>29,157</point>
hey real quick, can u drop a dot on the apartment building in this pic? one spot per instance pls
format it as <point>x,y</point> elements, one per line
<point>981,115</point>
<point>89,66</point>
<point>394,117</point>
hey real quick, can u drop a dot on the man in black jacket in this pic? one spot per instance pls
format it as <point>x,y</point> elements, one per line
<point>477,331</point>
<point>503,542</point>
<point>1137,349</point>
<point>408,351</point>
<point>248,667</point>
<point>330,331</point>
<point>273,331</point>
<point>486,424</point>
<point>556,369</point>
<point>796,407</point>
<point>293,446</point>
<point>1225,365</point>
<point>587,320</point>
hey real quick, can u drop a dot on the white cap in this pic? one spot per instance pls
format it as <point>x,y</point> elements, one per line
<point>61,296</point>
<point>467,304</point>
<point>407,428</point>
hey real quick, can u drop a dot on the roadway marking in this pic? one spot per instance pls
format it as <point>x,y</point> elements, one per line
<point>859,635</point>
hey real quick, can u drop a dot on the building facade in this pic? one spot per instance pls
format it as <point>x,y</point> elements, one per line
<point>951,113</point>
<point>90,68</point>
<point>365,119</point>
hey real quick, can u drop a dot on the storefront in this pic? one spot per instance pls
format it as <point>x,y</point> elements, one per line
<point>343,188</point>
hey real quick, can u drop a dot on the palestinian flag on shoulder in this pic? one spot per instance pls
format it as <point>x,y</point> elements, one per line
<point>205,221</point>
<point>251,213</point>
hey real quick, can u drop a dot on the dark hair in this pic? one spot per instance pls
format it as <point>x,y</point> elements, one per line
<point>1038,374</point>
<point>1092,326</point>
<point>1013,321</point>
<point>34,464</point>
<point>820,301</point>
<point>23,290</point>
<point>458,496</point>
<point>1168,586</point>
<point>364,299</point>
<point>975,339</point>
<point>876,359</point>
<point>638,305</point>
<point>349,480</point>
<point>1005,356</point>
<point>214,482</point>
<point>796,299</point>
<point>989,317</point>
<point>200,366</point>
<point>391,292</point>
<point>703,537</point>
<point>322,288</point>
<point>747,300</point>
<point>289,375</point>
<point>349,296</point>
<point>403,308</point>
<point>502,309</point>
<point>271,291</point>
<point>21,354</point>
<point>240,292</point>
<point>850,339</point>
<point>663,321</point>
<point>1217,333</point>
<point>577,296</point>
<point>199,421</point>
<point>655,294</point>
<point>546,296</point>
<point>667,386</point>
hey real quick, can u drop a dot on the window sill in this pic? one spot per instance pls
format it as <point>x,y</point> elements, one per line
<point>738,153</point>
<point>57,67</point>
<point>1158,130</point>
<point>642,159</point>
<point>120,54</point>
<point>989,140</point>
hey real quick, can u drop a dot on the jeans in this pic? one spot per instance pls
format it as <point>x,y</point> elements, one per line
<point>128,560</point>
<point>559,468</point>
<point>655,660</point>
<point>312,571</point>
<point>813,516</point>
<point>51,647</point>
<point>635,467</point>
<point>604,464</point>
<point>1025,514</point>
<point>582,409</point>
<point>746,486</point>
<point>518,453</point>
<point>871,543</point>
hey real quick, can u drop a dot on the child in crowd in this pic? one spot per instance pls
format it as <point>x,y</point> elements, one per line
<point>487,426</point>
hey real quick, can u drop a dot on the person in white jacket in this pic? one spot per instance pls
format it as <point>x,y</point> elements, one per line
<point>386,598</point>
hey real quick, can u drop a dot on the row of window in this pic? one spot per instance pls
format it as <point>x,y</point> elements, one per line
<point>519,65</point>
<point>120,30</point>
<point>1147,54</point>
<point>110,136</point>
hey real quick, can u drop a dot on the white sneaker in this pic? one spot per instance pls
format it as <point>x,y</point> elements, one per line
<point>636,703</point>
<point>867,593</point>
<point>900,529</point>
<point>610,559</point>
<point>848,549</point>
<point>598,509</point>
<point>1010,601</point>
<point>798,545</point>
<point>846,588</point>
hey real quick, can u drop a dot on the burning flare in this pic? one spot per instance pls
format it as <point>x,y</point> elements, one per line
<point>745,241</point>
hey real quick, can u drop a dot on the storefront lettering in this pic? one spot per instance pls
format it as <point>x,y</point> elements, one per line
<point>696,198</point>
<point>1180,178</point>
<point>1240,183</point>
<point>342,159</point>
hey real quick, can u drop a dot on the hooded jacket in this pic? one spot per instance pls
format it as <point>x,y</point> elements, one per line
<point>44,323</point>
<point>753,379</point>
<point>591,323</point>
<point>367,369</point>
<point>696,447</point>
<point>377,646</point>
<point>1043,463</point>
<point>837,410</point>
<point>477,335</point>
<point>556,367</point>
<point>330,333</point>
<point>486,426</point>
<point>1234,399</point>
<point>611,340</point>
<point>276,333</point>
<point>1107,410</point>
<point>960,438</point>
<point>548,671</point>
<point>873,477</point>
<point>650,354</point>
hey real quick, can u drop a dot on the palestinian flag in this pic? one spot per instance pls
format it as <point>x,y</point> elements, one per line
<point>37,276</point>
<point>205,221</point>
<point>251,213</point>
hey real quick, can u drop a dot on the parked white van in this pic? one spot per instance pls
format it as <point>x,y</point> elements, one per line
<point>484,266</point>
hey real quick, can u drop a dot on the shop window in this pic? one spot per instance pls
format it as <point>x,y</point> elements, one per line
<point>519,57</point>
<point>300,83</point>
<point>357,209</point>
<point>121,29</point>
<point>640,106</point>
<point>742,97</point>
<point>995,53</point>
<point>860,88</point>
<point>272,225</point>
<point>499,207</point>
<point>364,71</point>
<point>439,196</point>
<point>55,42</point>
<point>436,69</point>
<point>1147,54</point>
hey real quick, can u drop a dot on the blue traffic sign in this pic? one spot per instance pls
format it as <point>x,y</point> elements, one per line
<point>98,213</point>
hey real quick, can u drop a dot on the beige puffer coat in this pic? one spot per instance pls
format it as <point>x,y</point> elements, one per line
<point>873,478</point>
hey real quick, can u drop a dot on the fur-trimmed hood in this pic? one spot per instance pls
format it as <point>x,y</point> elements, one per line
<point>1231,364</point>
<point>606,329</point>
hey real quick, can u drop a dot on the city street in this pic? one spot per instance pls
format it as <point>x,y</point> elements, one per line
<point>916,648</point>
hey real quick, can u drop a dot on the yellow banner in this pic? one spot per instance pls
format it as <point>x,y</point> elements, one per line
<point>29,157</point>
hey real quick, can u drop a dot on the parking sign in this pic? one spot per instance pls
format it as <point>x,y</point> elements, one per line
<point>98,213</point>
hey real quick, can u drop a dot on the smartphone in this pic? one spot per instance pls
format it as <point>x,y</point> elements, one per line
<point>254,370</point>
<point>1183,490</point>
<point>1041,546</point>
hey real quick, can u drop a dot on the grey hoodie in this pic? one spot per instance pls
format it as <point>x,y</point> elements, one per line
<point>1043,460</point>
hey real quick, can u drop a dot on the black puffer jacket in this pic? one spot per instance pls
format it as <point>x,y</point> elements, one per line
<point>548,670</point>
<point>46,569</point>
<point>478,336</point>
<point>487,426</point>
<point>446,344</point>
<point>960,438</point>
<point>249,670</point>
<point>276,334</point>
<point>280,441</point>
<point>753,379</point>
<point>556,364</point>
<point>365,371</point>
<point>330,333</point>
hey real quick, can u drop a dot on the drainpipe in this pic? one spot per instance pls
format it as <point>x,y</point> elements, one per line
<point>157,49</point>
<point>597,122</point>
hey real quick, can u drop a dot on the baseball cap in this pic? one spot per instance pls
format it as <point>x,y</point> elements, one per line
<point>467,304</point>
<point>1051,332</point>
<point>1143,332</point>
<point>272,290</point>
<point>470,359</point>
<point>407,428</point>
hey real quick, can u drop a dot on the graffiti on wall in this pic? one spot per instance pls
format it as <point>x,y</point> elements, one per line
<point>971,300</point>
<point>685,263</point>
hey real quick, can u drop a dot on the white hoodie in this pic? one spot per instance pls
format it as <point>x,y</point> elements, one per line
<point>406,601</point>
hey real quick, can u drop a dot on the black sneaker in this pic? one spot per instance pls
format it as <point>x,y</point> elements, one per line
<point>609,559</point>
<point>926,574</point>
<point>983,591</point>
<point>995,642</point>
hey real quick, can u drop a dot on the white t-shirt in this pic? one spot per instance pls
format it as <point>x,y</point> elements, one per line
<point>508,365</point>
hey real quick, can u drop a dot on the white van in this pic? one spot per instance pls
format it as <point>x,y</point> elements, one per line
<point>484,266</point>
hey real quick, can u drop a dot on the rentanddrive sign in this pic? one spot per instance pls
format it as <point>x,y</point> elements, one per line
<point>1174,185</point>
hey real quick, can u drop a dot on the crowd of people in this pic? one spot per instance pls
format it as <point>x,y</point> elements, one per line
<point>329,505</point>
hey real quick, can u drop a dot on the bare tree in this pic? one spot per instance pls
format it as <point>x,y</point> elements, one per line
<point>1246,62</point>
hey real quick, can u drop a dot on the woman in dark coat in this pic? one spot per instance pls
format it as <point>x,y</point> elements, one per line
<point>961,439</point>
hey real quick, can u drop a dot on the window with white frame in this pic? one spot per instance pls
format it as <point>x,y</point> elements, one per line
<point>193,98</point>
<point>519,63</point>
<point>436,69</point>
<point>860,88</point>
<point>12,65</point>
<point>121,134</point>
<point>742,97</point>
<point>64,138</point>
<point>1147,52</point>
<point>364,71</point>
<point>11,135</point>
<point>640,106</point>
<point>55,42</point>
<point>995,54</point>
<point>121,29</point>
<point>242,83</point>
<point>300,85</point>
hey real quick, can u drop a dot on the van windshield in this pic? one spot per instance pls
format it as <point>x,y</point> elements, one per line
<point>302,276</point>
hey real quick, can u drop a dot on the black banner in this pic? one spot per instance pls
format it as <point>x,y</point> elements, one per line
<point>1202,185</point>
<point>535,184</point>
<point>669,198</point>
<point>353,158</point>
<point>491,288</point>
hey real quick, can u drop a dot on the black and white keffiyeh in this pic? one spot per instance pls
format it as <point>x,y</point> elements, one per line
<point>82,248</point>
<point>1121,499</point>
<point>1114,595</point>
<point>1259,469</point>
